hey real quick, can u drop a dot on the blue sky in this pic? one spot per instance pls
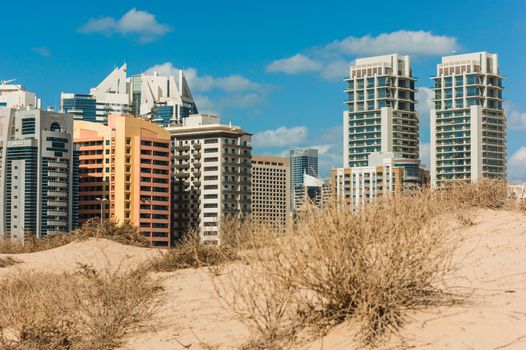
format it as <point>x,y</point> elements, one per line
<point>275,68</point>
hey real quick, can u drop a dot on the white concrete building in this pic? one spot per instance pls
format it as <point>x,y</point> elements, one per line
<point>468,123</point>
<point>164,100</point>
<point>109,97</point>
<point>212,175</point>
<point>386,173</point>
<point>381,114</point>
<point>16,96</point>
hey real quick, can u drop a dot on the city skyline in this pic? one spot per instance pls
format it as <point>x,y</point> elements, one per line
<point>259,83</point>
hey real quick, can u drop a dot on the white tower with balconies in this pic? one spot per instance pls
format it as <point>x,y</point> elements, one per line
<point>468,123</point>
<point>381,114</point>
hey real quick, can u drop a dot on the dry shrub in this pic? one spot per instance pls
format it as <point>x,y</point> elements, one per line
<point>124,233</point>
<point>191,252</point>
<point>484,194</point>
<point>243,234</point>
<point>87,309</point>
<point>264,304</point>
<point>32,312</point>
<point>7,261</point>
<point>371,265</point>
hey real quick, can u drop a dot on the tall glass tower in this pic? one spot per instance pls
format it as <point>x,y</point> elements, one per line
<point>302,161</point>
<point>381,114</point>
<point>468,123</point>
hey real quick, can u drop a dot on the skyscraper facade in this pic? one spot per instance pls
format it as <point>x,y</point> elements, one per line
<point>468,123</point>
<point>271,191</point>
<point>381,114</point>
<point>125,174</point>
<point>212,177</point>
<point>302,161</point>
<point>110,96</point>
<point>164,100</point>
<point>38,174</point>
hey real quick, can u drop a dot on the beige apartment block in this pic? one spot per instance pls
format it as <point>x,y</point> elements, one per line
<point>271,191</point>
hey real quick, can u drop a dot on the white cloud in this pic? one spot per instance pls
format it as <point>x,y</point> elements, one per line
<point>516,118</point>
<point>425,154</point>
<point>139,24</point>
<point>403,41</point>
<point>517,165</point>
<point>424,103</point>
<point>42,51</point>
<point>328,143</point>
<point>164,69</point>
<point>294,64</point>
<point>201,83</point>
<point>227,92</point>
<point>280,137</point>
<point>332,60</point>
<point>336,70</point>
<point>230,83</point>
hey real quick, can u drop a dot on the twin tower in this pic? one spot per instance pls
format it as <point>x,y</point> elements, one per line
<point>467,120</point>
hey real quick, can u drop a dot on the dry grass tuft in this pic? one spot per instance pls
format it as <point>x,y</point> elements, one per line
<point>7,261</point>
<point>122,233</point>
<point>484,194</point>
<point>88,309</point>
<point>263,303</point>
<point>191,252</point>
<point>372,265</point>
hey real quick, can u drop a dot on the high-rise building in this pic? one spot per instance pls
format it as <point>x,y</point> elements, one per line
<point>16,96</point>
<point>212,175</point>
<point>110,96</point>
<point>38,174</point>
<point>387,173</point>
<point>271,191</point>
<point>125,174</point>
<point>302,161</point>
<point>468,123</point>
<point>381,114</point>
<point>163,100</point>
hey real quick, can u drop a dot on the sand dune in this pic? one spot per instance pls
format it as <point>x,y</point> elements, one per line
<point>97,252</point>
<point>492,266</point>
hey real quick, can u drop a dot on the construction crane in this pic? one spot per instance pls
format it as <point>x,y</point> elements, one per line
<point>5,82</point>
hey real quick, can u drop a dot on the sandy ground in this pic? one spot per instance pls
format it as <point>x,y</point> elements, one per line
<point>492,266</point>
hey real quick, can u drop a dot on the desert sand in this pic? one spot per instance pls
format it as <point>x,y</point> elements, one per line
<point>491,260</point>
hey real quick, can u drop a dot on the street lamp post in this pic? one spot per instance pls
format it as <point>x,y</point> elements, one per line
<point>102,200</point>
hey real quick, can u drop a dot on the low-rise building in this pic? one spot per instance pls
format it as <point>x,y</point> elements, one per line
<point>386,173</point>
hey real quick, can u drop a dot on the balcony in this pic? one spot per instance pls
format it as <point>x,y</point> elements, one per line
<point>182,166</point>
